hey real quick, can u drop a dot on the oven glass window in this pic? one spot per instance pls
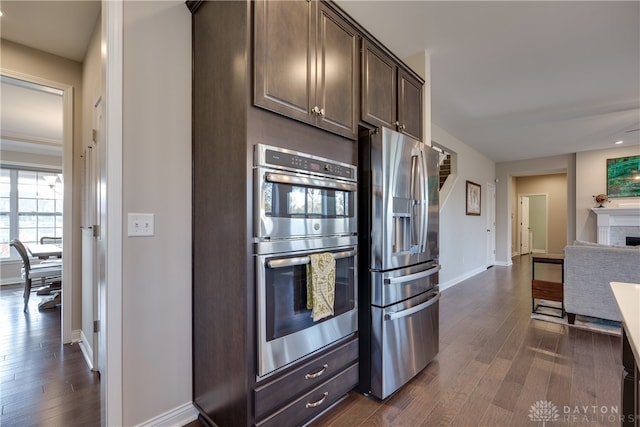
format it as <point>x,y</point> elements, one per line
<point>291,201</point>
<point>286,297</point>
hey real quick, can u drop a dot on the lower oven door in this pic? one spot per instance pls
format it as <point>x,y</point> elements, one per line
<point>286,330</point>
<point>405,339</point>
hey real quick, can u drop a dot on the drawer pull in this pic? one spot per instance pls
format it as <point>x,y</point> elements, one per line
<point>319,402</point>
<point>316,374</point>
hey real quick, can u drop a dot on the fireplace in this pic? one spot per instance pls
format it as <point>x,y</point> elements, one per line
<point>632,241</point>
<point>615,224</point>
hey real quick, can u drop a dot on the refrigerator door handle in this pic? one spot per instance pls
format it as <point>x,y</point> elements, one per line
<point>413,181</point>
<point>412,310</point>
<point>410,277</point>
<point>424,207</point>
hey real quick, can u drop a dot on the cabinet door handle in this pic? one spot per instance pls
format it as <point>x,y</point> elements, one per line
<point>317,374</point>
<point>322,112</point>
<point>396,123</point>
<point>403,126</point>
<point>316,110</point>
<point>319,402</point>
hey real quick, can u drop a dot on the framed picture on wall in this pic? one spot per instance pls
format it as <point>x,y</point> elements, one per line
<point>473,198</point>
<point>623,177</point>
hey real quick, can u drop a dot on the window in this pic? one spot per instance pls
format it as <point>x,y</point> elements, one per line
<point>30,206</point>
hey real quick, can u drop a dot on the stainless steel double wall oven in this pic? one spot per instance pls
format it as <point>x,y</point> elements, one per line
<point>303,204</point>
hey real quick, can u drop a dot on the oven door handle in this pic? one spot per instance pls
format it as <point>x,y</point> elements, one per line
<point>302,260</point>
<point>408,312</point>
<point>410,277</point>
<point>309,182</point>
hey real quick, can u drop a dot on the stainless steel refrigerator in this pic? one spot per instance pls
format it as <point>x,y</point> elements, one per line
<point>398,293</point>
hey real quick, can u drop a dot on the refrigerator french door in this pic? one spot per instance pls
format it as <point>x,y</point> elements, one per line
<point>398,319</point>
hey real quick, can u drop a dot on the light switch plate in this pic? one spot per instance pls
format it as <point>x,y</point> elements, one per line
<point>140,224</point>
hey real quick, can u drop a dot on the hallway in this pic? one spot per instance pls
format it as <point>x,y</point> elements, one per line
<point>42,382</point>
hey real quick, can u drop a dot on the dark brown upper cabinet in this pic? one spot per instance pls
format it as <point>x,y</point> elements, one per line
<point>307,64</point>
<point>391,95</point>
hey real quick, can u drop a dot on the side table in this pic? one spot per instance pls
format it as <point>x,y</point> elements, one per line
<point>546,290</point>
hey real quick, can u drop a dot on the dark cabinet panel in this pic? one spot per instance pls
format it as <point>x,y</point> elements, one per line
<point>337,79</point>
<point>378,86</point>
<point>278,392</point>
<point>391,95</point>
<point>409,105</point>
<point>306,64</point>
<point>315,401</point>
<point>285,58</point>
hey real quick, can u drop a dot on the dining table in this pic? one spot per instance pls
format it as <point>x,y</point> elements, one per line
<point>44,250</point>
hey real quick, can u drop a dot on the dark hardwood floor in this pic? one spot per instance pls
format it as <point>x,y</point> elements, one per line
<point>42,381</point>
<point>495,362</point>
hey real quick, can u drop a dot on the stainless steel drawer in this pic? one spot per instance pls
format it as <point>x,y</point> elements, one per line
<point>404,340</point>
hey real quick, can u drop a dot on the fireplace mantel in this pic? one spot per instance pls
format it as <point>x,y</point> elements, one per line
<point>615,217</point>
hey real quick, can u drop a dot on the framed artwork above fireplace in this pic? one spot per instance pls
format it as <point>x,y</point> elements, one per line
<point>623,177</point>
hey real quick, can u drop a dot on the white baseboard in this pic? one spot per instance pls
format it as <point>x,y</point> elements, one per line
<point>87,350</point>
<point>461,278</point>
<point>504,263</point>
<point>76,335</point>
<point>179,416</point>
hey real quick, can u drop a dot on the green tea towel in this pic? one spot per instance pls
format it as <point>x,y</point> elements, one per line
<point>321,285</point>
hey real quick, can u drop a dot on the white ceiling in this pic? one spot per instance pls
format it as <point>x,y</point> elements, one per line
<point>31,115</point>
<point>513,79</point>
<point>519,79</point>
<point>31,118</point>
<point>62,28</point>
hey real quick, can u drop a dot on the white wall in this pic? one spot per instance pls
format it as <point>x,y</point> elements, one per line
<point>156,174</point>
<point>591,179</point>
<point>463,238</point>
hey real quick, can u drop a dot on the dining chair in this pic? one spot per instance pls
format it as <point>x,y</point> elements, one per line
<point>48,273</point>
<point>44,240</point>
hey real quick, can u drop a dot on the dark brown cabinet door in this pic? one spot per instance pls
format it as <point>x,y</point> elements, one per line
<point>285,58</point>
<point>409,105</point>
<point>378,87</point>
<point>337,91</point>
<point>306,64</point>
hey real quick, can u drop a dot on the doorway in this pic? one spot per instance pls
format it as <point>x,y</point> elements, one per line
<point>36,147</point>
<point>533,224</point>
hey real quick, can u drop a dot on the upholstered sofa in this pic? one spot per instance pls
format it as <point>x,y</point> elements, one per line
<point>588,269</point>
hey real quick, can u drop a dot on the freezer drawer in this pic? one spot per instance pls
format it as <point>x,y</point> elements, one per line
<point>404,340</point>
<point>396,285</point>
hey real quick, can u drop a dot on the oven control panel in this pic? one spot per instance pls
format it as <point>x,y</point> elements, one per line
<point>305,163</point>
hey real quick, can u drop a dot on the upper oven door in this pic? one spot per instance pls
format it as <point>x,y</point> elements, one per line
<point>293,205</point>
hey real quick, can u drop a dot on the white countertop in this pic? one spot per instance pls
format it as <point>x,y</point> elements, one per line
<point>627,296</point>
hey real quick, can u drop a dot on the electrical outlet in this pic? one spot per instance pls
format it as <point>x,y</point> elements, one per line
<point>140,224</point>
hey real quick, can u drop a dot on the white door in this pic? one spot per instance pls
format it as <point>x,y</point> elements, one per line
<point>525,245</point>
<point>491,224</point>
<point>92,264</point>
<point>88,257</point>
<point>100,233</point>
